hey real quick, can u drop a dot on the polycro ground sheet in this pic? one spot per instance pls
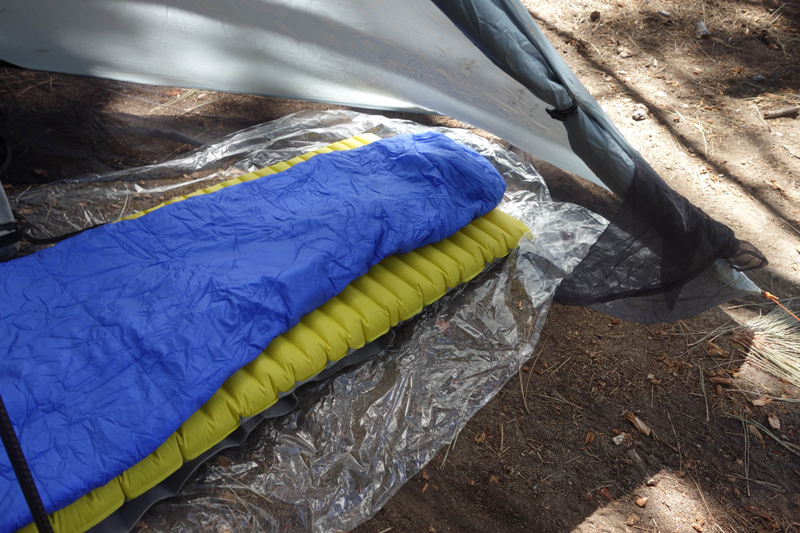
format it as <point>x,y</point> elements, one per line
<point>412,282</point>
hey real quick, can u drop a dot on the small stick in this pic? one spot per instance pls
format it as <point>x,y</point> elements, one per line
<point>32,86</point>
<point>790,400</point>
<point>452,445</point>
<point>778,11</point>
<point>168,103</point>
<point>790,152</point>
<point>746,453</point>
<point>701,495</point>
<point>556,368</point>
<point>522,391</point>
<point>703,386</point>
<point>502,437</point>
<point>703,133</point>
<point>782,112</point>
<point>758,112</point>
<point>764,483</point>
<point>680,454</point>
<point>530,373</point>
<point>557,398</point>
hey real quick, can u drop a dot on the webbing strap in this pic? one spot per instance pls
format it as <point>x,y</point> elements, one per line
<point>562,115</point>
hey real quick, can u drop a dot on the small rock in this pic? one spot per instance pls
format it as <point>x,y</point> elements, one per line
<point>619,439</point>
<point>759,77</point>
<point>641,502</point>
<point>640,113</point>
<point>702,30</point>
<point>493,480</point>
<point>661,94</point>
<point>595,16</point>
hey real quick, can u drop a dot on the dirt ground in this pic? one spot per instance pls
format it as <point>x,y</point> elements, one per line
<point>541,456</point>
<point>555,450</point>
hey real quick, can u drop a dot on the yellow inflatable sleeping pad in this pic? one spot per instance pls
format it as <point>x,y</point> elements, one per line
<point>394,290</point>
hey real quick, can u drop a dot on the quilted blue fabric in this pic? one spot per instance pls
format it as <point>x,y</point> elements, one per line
<point>113,338</point>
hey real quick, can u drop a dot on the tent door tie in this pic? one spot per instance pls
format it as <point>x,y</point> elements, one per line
<point>562,115</point>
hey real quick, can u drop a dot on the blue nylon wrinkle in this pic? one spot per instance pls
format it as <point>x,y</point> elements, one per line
<point>116,336</point>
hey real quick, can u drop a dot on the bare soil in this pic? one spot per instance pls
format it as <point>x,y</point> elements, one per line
<point>542,455</point>
<point>544,459</point>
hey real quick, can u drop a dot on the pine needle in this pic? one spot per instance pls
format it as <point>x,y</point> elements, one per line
<point>774,343</point>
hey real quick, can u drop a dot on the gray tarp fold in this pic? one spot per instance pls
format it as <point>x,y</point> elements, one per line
<point>484,62</point>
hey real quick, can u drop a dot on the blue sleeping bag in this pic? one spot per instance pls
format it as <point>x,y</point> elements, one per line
<point>113,338</point>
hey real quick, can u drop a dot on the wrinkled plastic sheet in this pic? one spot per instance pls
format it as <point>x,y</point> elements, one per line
<point>355,439</point>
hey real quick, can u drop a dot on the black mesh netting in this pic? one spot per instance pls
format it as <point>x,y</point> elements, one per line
<point>652,253</point>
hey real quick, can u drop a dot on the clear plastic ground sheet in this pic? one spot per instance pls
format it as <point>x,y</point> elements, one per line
<point>355,439</point>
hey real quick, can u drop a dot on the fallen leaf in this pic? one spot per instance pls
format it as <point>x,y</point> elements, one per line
<point>624,52</point>
<point>606,493</point>
<point>697,527</point>
<point>632,519</point>
<point>480,438</point>
<point>641,426</point>
<point>721,381</point>
<point>589,438</point>
<point>758,512</point>
<point>493,480</point>
<point>755,432</point>
<point>39,172</point>
<point>714,350</point>
<point>772,418</point>
<point>431,529</point>
<point>229,497</point>
<point>424,488</point>
<point>443,326</point>
<point>641,502</point>
<point>425,475</point>
<point>760,402</point>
